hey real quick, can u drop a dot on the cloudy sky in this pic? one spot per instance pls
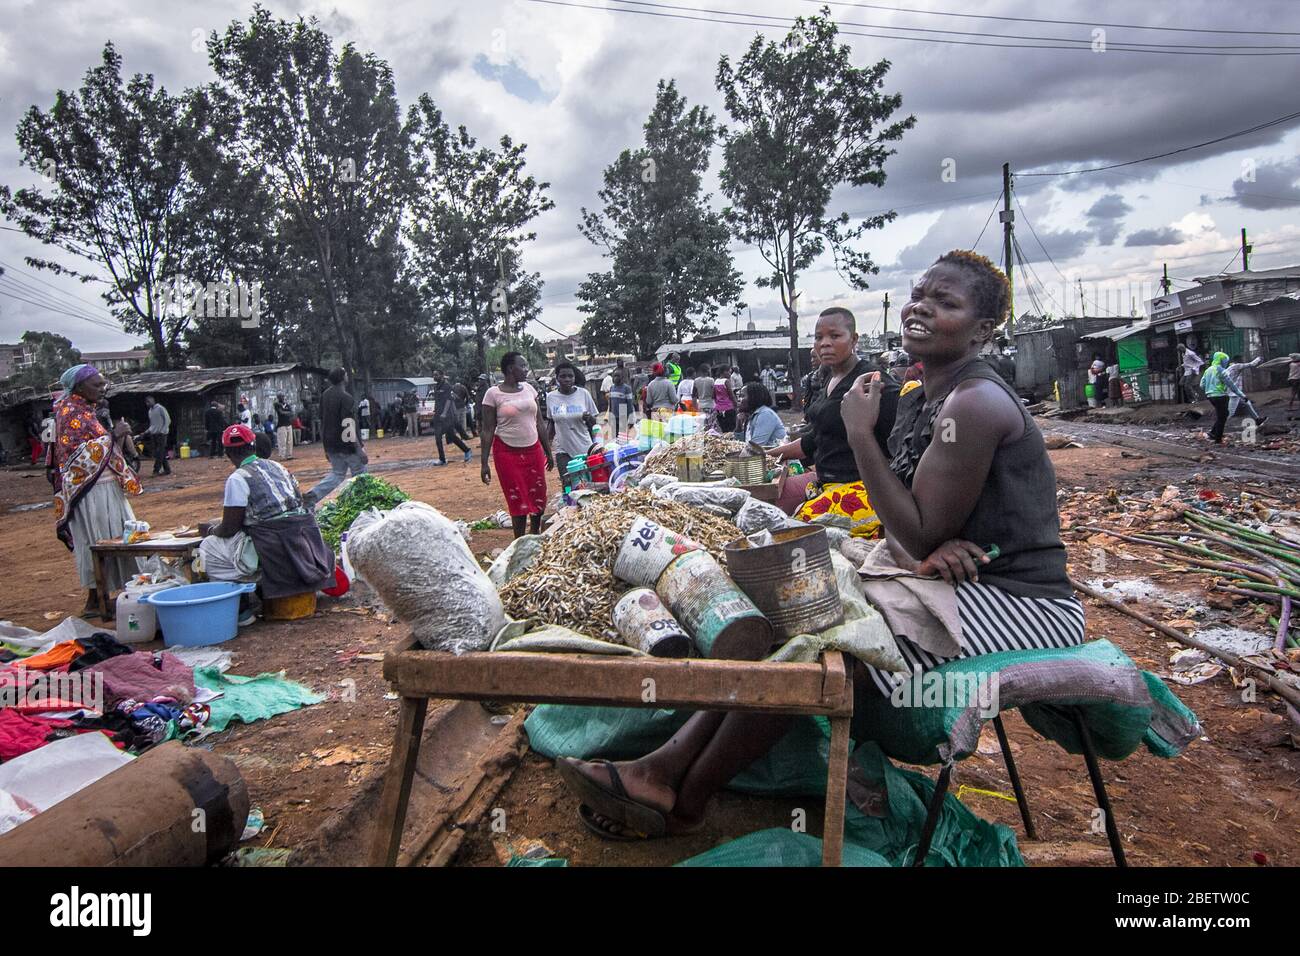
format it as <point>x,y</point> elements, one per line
<point>575,81</point>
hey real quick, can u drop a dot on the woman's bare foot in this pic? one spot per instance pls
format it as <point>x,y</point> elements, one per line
<point>92,605</point>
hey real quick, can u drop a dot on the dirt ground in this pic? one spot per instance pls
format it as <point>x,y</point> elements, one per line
<point>1232,794</point>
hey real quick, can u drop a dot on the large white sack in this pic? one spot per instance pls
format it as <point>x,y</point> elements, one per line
<point>415,557</point>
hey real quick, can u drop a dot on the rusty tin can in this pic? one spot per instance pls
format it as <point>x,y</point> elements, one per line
<point>647,549</point>
<point>644,623</point>
<point>791,580</point>
<point>723,622</point>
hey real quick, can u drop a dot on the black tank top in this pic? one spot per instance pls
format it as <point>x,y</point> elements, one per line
<point>1016,509</point>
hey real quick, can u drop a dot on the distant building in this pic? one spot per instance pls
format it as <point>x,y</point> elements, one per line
<point>113,362</point>
<point>13,358</point>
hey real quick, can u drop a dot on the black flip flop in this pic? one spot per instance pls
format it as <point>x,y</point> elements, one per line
<point>614,801</point>
<point>588,818</point>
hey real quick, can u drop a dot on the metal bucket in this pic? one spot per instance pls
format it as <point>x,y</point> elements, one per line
<point>791,580</point>
<point>647,550</point>
<point>747,467</point>
<point>714,610</point>
<point>644,623</point>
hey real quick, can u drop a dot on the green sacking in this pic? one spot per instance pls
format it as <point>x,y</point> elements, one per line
<point>250,698</point>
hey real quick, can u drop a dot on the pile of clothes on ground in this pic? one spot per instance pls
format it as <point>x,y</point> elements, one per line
<point>74,680</point>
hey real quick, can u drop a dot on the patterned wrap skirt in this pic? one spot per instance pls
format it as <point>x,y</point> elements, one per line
<point>522,473</point>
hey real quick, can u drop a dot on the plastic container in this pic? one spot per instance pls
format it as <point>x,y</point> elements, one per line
<point>341,583</point>
<point>196,615</point>
<point>598,467</point>
<point>289,608</point>
<point>137,622</point>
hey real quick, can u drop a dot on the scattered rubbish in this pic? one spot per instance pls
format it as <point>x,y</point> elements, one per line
<point>1236,641</point>
<point>254,825</point>
<point>1193,666</point>
<point>261,856</point>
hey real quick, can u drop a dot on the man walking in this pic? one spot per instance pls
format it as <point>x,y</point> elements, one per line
<point>283,425</point>
<point>340,436</point>
<point>160,425</point>
<point>444,418</point>
<point>214,423</point>
<point>1192,364</point>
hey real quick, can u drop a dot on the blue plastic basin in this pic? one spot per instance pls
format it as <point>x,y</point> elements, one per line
<point>195,615</point>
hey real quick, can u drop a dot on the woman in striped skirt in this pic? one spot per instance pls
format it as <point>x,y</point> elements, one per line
<point>966,469</point>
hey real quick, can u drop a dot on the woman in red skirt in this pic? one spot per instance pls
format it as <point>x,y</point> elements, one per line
<point>512,433</point>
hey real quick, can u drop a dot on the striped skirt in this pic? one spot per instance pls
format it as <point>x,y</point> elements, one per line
<point>994,620</point>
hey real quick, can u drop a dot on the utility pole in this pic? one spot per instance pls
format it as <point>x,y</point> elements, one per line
<point>1245,251</point>
<point>1008,218</point>
<point>1164,282</point>
<point>884,328</point>
<point>1083,306</point>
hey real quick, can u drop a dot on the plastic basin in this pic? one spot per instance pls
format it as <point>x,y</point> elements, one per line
<point>195,615</point>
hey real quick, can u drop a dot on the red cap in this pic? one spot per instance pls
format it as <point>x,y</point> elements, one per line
<point>658,369</point>
<point>237,435</point>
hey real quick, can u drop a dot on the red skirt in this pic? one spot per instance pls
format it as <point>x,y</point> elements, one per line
<point>522,473</point>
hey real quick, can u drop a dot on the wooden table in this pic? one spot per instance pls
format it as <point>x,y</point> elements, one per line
<point>419,675</point>
<point>183,548</point>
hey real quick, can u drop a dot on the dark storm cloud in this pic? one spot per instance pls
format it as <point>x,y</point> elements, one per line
<point>1276,186</point>
<point>1166,236</point>
<point>1106,217</point>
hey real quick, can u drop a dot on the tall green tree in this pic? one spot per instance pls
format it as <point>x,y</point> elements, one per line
<point>139,190</point>
<point>325,132</point>
<point>805,122</point>
<point>469,224</point>
<point>52,354</point>
<point>671,271</point>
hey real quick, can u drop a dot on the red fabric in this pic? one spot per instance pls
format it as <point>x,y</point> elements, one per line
<point>522,473</point>
<point>20,734</point>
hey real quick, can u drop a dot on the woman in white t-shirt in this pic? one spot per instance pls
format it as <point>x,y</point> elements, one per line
<point>571,412</point>
<point>514,434</point>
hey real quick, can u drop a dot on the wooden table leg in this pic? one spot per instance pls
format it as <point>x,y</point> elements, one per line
<point>101,582</point>
<point>837,783</point>
<point>397,781</point>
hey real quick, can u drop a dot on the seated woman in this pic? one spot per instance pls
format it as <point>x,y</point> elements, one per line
<point>969,470</point>
<point>837,489</point>
<point>265,533</point>
<point>763,426</point>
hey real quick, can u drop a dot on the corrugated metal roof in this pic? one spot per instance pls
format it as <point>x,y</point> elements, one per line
<point>733,345</point>
<point>194,380</point>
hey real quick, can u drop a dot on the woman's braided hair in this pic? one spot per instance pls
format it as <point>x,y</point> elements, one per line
<point>992,291</point>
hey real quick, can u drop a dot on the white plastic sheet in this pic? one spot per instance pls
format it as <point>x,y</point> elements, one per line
<point>41,778</point>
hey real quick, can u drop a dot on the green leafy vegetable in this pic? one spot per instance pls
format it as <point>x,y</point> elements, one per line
<point>365,491</point>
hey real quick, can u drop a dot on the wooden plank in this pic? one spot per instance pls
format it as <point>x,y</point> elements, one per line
<point>837,782</point>
<point>632,682</point>
<point>391,817</point>
<point>101,585</point>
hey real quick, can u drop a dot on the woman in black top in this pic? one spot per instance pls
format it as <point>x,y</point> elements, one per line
<point>837,492</point>
<point>967,470</point>
<point>970,470</point>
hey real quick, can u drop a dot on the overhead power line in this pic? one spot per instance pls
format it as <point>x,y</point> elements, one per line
<point>1073,23</point>
<point>1058,44</point>
<point>1173,152</point>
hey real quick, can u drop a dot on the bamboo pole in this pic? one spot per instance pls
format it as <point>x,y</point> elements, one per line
<point>1283,690</point>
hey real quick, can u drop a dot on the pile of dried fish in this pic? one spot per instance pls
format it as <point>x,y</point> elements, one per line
<point>572,582</point>
<point>663,460</point>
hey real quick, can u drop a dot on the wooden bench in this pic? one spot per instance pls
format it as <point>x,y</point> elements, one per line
<point>418,675</point>
<point>182,548</point>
